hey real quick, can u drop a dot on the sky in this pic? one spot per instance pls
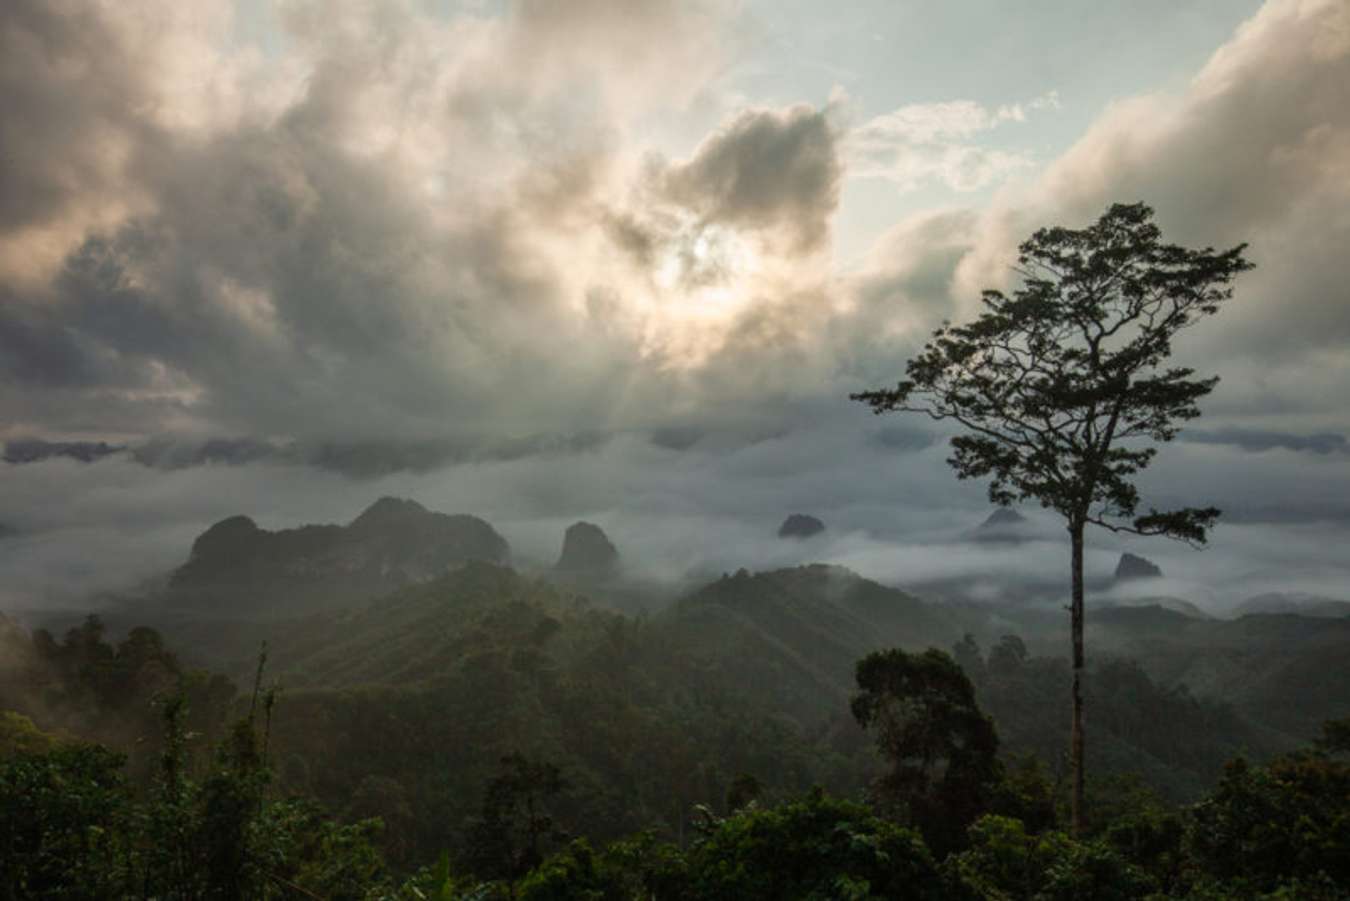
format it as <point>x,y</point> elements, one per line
<point>625,261</point>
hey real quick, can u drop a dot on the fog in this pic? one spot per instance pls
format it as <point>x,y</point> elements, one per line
<point>714,506</point>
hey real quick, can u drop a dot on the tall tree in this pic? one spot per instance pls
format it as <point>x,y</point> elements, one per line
<point>942,749</point>
<point>511,835</point>
<point>1063,387</point>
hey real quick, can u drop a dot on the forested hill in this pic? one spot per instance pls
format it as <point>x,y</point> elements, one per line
<point>788,638</point>
<point>751,673</point>
<point>1286,671</point>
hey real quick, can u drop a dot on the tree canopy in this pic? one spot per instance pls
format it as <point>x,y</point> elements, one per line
<point>942,749</point>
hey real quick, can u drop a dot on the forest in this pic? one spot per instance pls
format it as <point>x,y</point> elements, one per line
<point>492,735</point>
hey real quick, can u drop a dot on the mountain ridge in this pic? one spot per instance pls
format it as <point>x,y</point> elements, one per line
<point>239,566</point>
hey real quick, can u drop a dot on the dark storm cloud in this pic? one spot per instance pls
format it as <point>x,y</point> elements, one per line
<point>36,350</point>
<point>283,286</point>
<point>69,89</point>
<point>277,277</point>
<point>766,169</point>
<point>366,459</point>
<point>166,453</point>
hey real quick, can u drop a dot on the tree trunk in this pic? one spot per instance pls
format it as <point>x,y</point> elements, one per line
<point>1076,629</point>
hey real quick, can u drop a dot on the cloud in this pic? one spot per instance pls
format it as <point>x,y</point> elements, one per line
<point>894,513</point>
<point>1256,440</point>
<point>924,142</point>
<point>1256,149</point>
<point>767,170</point>
<point>376,255</point>
<point>411,240</point>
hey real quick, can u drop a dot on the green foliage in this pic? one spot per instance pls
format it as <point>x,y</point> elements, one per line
<point>1335,738</point>
<point>63,816</point>
<point>296,844</point>
<point>644,718</point>
<point>1006,863</point>
<point>18,735</point>
<point>815,847</point>
<point>1026,793</point>
<point>1175,741</point>
<point>109,693</point>
<point>515,828</point>
<point>645,742</point>
<point>72,827</point>
<point>941,748</point>
<point>577,873</point>
<point>433,883</point>
<point>1134,821</point>
<point>743,792</point>
<point>1265,826</point>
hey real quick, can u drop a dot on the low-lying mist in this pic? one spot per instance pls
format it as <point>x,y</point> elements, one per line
<point>79,531</point>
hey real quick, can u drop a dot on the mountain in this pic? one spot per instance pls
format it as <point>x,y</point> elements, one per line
<point>787,638</point>
<point>1135,567</point>
<point>1004,524</point>
<point>1301,604</point>
<point>419,632</point>
<point>35,450</point>
<point>236,567</point>
<point>420,695</point>
<point>800,525</point>
<point>442,676</point>
<point>587,550</point>
<point>1283,671</point>
<point>1179,605</point>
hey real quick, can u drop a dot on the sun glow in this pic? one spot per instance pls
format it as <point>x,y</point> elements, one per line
<point>706,272</point>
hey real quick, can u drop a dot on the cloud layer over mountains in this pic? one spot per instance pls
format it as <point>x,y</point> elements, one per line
<point>552,245</point>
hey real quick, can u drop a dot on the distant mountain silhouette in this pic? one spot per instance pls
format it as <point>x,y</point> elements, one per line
<point>35,450</point>
<point>587,550</point>
<point>1132,566</point>
<point>1004,524</point>
<point>800,525</point>
<point>1174,604</point>
<point>1301,604</point>
<point>236,566</point>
